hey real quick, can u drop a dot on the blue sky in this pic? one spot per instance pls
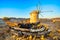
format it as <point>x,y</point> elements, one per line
<point>22,8</point>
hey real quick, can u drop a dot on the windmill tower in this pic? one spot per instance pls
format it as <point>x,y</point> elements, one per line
<point>34,15</point>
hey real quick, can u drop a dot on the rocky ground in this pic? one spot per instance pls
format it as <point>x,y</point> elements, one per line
<point>6,34</point>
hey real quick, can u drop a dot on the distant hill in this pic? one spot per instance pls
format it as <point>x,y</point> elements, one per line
<point>41,19</point>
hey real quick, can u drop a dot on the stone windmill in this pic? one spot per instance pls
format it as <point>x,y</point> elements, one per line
<point>34,15</point>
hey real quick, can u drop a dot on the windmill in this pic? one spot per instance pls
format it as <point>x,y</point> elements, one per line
<point>34,15</point>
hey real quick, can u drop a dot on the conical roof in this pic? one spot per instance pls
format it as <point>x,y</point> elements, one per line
<point>35,12</point>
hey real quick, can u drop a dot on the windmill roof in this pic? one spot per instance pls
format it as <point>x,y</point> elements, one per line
<point>35,12</point>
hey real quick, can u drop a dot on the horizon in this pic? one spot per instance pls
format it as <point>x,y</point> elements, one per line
<point>29,18</point>
<point>23,8</point>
